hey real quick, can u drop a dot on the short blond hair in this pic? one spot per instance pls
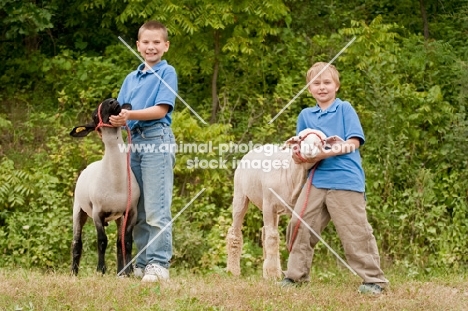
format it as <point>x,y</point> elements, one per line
<point>317,67</point>
<point>153,25</point>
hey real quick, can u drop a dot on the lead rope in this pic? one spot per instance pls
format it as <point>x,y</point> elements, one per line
<point>296,228</point>
<point>129,181</point>
<point>129,197</point>
<point>297,152</point>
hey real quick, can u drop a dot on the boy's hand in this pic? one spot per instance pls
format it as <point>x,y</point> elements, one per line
<point>296,148</point>
<point>121,119</point>
<point>295,158</point>
<point>333,140</point>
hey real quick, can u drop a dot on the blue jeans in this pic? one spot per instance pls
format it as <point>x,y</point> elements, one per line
<point>153,166</point>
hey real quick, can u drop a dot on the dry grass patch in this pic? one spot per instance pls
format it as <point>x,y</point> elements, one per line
<point>29,290</point>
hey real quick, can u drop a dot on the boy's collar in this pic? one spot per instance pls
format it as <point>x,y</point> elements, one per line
<point>155,67</point>
<point>331,108</point>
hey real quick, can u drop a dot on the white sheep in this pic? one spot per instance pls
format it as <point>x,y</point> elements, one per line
<point>252,179</point>
<point>102,190</point>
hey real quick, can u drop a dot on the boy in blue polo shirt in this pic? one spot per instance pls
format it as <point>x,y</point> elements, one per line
<point>337,190</point>
<point>149,121</point>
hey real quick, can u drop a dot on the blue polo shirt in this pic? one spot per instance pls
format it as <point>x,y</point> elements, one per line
<point>343,172</point>
<point>144,89</point>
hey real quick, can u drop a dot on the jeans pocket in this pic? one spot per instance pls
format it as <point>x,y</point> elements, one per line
<point>153,133</point>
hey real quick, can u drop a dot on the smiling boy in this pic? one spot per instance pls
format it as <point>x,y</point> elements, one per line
<point>337,190</point>
<point>150,120</point>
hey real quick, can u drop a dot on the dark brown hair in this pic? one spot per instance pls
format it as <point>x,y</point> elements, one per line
<point>153,25</point>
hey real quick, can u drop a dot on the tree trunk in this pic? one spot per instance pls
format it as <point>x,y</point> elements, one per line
<point>424,18</point>
<point>31,43</point>
<point>214,80</point>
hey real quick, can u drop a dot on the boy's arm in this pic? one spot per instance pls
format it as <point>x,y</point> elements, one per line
<point>151,113</point>
<point>338,148</point>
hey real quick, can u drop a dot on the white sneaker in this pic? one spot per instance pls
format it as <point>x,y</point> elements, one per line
<point>138,272</point>
<point>155,273</point>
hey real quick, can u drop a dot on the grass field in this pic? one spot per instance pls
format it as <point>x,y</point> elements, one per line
<point>33,290</point>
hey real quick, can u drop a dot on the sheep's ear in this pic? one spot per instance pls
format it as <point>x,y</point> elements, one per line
<point>292,140</point>
<point>127,106</point>
<point>82,130</point>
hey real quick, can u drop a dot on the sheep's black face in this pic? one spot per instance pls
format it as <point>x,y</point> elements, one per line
<point>109,107</point>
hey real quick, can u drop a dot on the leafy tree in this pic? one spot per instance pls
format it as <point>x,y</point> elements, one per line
<point>24,21</point>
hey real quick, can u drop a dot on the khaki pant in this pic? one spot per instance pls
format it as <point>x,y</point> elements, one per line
<point>347,210</point>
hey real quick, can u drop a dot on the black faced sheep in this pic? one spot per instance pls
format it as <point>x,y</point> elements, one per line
<point>102,191</point>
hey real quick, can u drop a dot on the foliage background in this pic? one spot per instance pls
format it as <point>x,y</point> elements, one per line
<point>239,63</point>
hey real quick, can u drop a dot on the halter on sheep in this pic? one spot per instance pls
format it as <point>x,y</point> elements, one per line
<point>252,185</point>
<point>102,191</point>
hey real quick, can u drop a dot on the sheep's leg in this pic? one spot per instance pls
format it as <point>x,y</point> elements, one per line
<point>101,241</point>
<point>79,219</point>
<point>128,249</point>
<point>271,263</point>
<point>121,263</point>
<point>234,238</point>
<point>131,221</point>
<point>270,241</point>
<point>120,259</point>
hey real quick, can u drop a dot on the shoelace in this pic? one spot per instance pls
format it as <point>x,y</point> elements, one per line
<point>153,269</point>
